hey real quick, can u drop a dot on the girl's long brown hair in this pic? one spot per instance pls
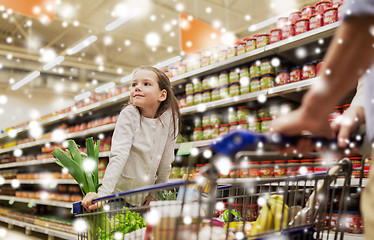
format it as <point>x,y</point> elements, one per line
<point>170,101</point>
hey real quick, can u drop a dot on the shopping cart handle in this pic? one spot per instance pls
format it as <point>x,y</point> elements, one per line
<point>239,140</point>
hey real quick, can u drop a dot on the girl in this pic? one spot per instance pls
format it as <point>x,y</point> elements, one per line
<point>144,137</point>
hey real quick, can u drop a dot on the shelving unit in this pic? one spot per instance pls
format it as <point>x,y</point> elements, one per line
<point>32,227</point>
<point>38,201</point>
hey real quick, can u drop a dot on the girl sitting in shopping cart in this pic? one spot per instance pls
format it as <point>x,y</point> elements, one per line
<point>143,140</point>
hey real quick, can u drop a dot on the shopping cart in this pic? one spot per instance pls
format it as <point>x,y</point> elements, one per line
<point>292,207</point>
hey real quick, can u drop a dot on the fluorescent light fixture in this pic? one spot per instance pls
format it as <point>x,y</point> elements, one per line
<point>269,21</point>
<point>126,79</point>
<point>82,96</point>
<point>27,79</point>
<point>120,21</point>
<point>105,87</point>
<point>168,62</point>
<point>53,63</point>
<point>85,43</point>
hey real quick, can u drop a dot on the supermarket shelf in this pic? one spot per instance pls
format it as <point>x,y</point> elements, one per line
<point>203,143</point>
<point>95,130</point>
<point>94,106</point>
<point>284,45</point>
<point>275,91</point>
<point>271,49</point>
<point>42,181</point>
<point>351,236</point>
<point>40,229</point>
<point>339,182</point>
<point>38,201</point>
<point>27,163</point>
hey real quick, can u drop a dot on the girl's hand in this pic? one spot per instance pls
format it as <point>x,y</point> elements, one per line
<point>87,201</point>
<point>148,199</point>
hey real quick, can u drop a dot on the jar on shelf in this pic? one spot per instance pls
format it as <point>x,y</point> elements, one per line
<point>206,83</point>
<point>295,74</point>
<point>288,31</point>
<point>240,47</point>
<point>215,94</point>
<point>206,121</point>
<point>189,100</point>
<point>255,84</point>
<point>306,166</point>
<point>197,86</point>
<point>243,125</point>
<point>223,129</point>
<point>307,11</point>
<point>213,58</point>
<point>206,96</point>
<point>207,133</point>
<point>250,44</point>
<point>242,113</point>
<point>301,26</point>
<point>274,111</point>
<point>280,168</point>
<point>234,76</point>
<point>222,54</point>
<point>315,21</point>
<point>214,119</point>
<point>330,15</point>
<point>205,61</point>
<point>293,167</point>
<point>262,40</point>
<point>197,98</point>
<point>231,51</point>
<point>232,116</point>
<point>215,131</point>
<point>267,169</point>
<point>214,81</point>
<point>281,22</point>
<point>254,125</point>
<point>283,77</point>
<point>254,70</point>
<point>234,89</point>
<point>267,81</point>
<point>243,73</point>
<point>233,126</point>
<point>266,67</point>
<point>275,35</point>
<point>189,88</point>
<point>245,86</point>
<point>198,134</point>
<point>321,6</point>
<point>224,91</point>
<point>182,102</point>
<point>223,79</point>
<point>294,16</point>
<point>308,71</point>
<point>197,122</point>
<point>254,169</point>
<point>265,124</point>
<point>336,3</point>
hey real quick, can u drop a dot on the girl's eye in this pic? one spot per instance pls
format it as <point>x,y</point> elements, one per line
<point>133,85</point>
<point>147,84</point>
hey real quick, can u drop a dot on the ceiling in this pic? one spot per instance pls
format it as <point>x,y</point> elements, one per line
<point>115,53</point>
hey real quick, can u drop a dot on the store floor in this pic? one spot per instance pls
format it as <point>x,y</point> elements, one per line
<point>18,233</point>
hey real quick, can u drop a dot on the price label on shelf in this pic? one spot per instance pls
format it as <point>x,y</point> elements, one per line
<point>12,200</point>
<point>31,203</point>
<point>185,148</point>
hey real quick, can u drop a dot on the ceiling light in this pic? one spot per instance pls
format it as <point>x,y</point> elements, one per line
<point>64,24</point>
<point>153,18</point>
<point>53,63</point>
<point>247,17</point>
<point>152,39</point>
<point>208,10</point>
<point>120,21</point>
<point>85,43</point>
<point>29,23</point>
<point>216,24</point>
<point>179,7</point>
<point>127,42</point>
<point>105,87</point>
<point>82,96</point>
<point>76,23</point>
<point>108,40</point>
<point>25,80</point>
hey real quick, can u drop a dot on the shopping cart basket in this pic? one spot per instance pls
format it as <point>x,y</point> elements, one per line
<point>293,207</point>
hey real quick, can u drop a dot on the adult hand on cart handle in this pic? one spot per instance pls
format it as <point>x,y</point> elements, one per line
<point>87,201</point>
<point>347,124</point>
<point>300,122</point>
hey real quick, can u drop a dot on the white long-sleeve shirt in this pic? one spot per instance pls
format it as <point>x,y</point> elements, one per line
<point>141,153</point>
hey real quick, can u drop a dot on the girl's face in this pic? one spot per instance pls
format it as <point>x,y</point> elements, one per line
<point>145,92</point>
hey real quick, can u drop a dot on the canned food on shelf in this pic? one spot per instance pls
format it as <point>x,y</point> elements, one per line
<point>231,51</point>
<point>234,89</point>
<point>255,84</point>
<point>275,35</point>
<point>315,21</point>
<point>234,76</point>
<point>267,81</point>
<point>308,71</point>
<point>197,98</point>
<point>301,26</point>
<point>240,47</point>
<point>262,40</point>
<point>307,11</point>
<point>206,96</point>
<point>294,16</point>
<point>250,44</point>
<point>288,31</point>
<point>295,74</point>
<point>321,6</point>
<point>330,15</point>
<point>281,22</point>
<point>283,77</point>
